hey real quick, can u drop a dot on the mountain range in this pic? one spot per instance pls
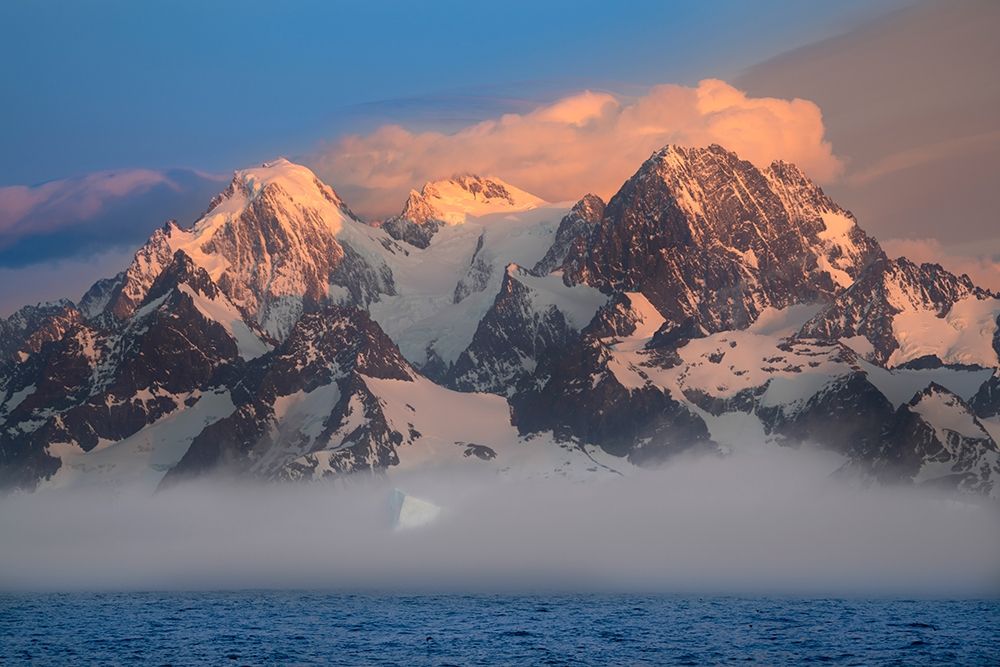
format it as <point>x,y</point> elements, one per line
<point>708,303</point>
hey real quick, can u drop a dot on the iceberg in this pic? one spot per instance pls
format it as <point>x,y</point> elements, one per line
<point>411,512</point>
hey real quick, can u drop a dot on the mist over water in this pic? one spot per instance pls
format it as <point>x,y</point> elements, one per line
<point>761,521</point>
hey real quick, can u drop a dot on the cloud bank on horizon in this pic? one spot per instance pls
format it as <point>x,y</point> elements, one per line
<point>96,212</point>
<point>586,142</point>
<point>702,525</point>
<point>59,237</point>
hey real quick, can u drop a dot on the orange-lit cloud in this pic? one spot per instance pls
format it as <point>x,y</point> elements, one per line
<point>588,142</point>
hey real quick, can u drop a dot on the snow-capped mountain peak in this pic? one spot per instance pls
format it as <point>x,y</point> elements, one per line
<point>692,220</point>
<point>275,241</point>
<point>296,182</point>
<point>454,200</point>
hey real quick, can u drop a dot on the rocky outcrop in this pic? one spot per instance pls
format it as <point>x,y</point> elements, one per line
<point>936,440</point>
<point>848,415</point>
<point>986,402</point>
<point>574,228</point>
<point>890,289</point>
<point>526,324</point>
<point>304,409</point>
<point>708,236</point>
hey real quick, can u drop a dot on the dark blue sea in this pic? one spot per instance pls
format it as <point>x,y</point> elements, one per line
<point>289,628</point>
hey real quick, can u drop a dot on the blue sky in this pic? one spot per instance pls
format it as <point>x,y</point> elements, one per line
<point>218,85</point>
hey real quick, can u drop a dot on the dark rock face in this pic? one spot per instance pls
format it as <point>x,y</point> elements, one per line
<point>743,401</point>
<point>477,276</point>
<point>95,300</point>
<point>582,399</point>
<point>996,338</point>
<point>417,223</point>
<point>27,329</point>
<point>616,318</point>
<point>484,188</point>
<point>936,440</point>
<point>576,395</point>
<point>481,452</point>
<point>926,362</point>
<point>277,432</point>
<point>53,380</point>
<point>675,334</point>
<point>708,236</point>
<point>95,385</point>
<point>175,347</point>
<point>408,231</point>
<point>513,335</point>
<point>848,415</point>
<point>886,288</point>
<point>986,402</point>
<point>573,228</point>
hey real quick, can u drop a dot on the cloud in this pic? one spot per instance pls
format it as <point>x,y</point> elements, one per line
<point>910,101</point>
<point>79,216</point>
<point>58,279</point>
<point>586,142</point>
<point>925,155</point>
<point>763,520</point>
<point>982,267</point>
<point>78,198</point>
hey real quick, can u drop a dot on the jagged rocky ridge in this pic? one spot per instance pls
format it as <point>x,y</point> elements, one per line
<point>27,329</point>
<point>711,238</point>
<point>325,360</point>
<point>892,299</point>
<point>576,226</point>
<point>280,337</point>
<point>96,386</point>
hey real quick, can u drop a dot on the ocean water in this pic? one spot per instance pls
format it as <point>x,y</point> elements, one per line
<point>288,628</point>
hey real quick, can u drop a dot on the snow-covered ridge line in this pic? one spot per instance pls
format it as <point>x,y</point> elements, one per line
<point>453,201</point>
<point>285,339</point>
<point>274,241</point>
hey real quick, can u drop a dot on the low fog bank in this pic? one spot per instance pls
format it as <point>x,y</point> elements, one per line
<point>766,521</point>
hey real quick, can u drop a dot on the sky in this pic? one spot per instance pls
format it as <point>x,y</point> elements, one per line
<point>217,85</point>
<point>121,115</point>
<point>911,104</point>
